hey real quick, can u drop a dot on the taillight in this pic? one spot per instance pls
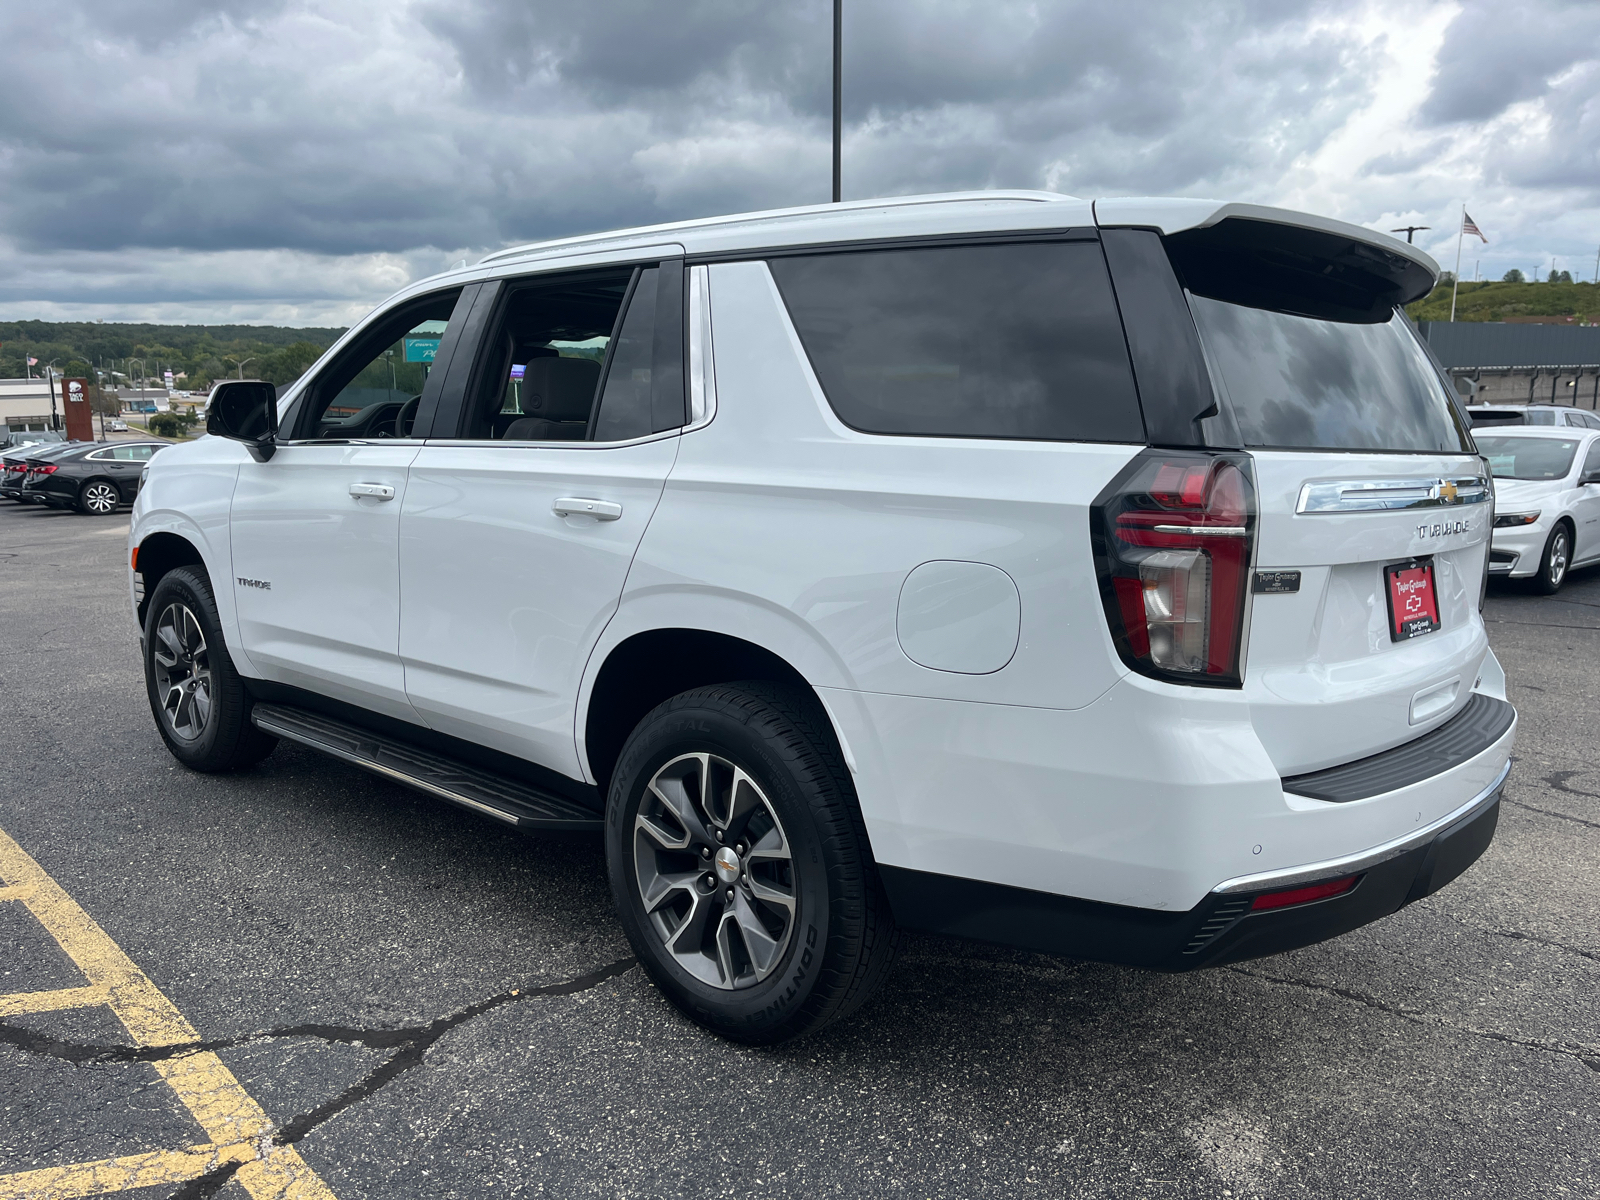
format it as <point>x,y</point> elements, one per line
<point>1173,536</point>
<point>45,469</point>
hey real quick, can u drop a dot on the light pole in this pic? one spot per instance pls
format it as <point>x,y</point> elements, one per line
<point>1408,230</point>
<point>838,96</point>
<point>240,364</point>
<point>50,382</point>
<point>140,361</point>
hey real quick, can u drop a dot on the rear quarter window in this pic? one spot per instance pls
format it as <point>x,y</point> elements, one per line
<point>1017,340</point>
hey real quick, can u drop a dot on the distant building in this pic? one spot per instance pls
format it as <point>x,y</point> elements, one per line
<point>25,404</point>
<point>1521,363</point>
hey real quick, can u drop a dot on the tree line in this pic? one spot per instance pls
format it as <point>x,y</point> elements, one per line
<point>1512,296</point>
<point>203,353</point>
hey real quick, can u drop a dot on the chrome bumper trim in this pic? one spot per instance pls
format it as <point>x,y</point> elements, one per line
<point>1350,864</point>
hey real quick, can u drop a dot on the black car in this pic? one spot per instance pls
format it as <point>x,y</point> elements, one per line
<point>94,478</point>
<point>13,465</point>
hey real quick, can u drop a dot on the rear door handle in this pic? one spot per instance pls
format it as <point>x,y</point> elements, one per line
<point>378,491</point>
<point>576,506</point>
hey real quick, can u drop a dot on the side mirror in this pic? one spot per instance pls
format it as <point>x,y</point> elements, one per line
<point>1589,477</point>
<point>245,410</point>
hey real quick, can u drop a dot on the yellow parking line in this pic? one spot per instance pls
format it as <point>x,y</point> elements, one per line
<point>15,893</point>
<point>239,1129</point>
<point>20,1003</point>
<point>118,1174</point>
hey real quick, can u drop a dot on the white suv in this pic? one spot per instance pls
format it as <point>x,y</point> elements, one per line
<point>1100,578</point>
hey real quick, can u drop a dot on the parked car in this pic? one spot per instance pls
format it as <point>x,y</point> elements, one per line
<point>1098,578</point>
<point>1494,415</point>
<point>1547,502</point>
<point>17,439</point>
<point>117,426</point>
<point>94,478</point>
<point>14,466</point>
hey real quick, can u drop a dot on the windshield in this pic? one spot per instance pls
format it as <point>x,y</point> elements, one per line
<point>1301,383</point>
<point>1527,457</point>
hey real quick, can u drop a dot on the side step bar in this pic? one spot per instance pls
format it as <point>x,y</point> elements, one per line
<point>508,800</point>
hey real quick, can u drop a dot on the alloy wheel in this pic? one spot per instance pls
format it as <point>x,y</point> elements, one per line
<point>100,498</point>
<point>1558,558</point>
<point>714,871</point>
<point>183,672</point>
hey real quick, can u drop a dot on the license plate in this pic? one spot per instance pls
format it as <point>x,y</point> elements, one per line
<point>1413,604</point>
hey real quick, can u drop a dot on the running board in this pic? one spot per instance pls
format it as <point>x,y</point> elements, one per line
<point>496,796</point>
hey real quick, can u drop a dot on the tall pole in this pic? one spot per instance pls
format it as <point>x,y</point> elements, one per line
<point>838,96</point>
<point>1596,270</point>
<point>1456,285</point>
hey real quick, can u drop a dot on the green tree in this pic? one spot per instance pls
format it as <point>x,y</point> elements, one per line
<point>165,424</point>
<point>1513,276</point>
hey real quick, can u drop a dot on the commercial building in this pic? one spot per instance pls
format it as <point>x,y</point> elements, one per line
<point>1520,364</point>
<point>25,404</point>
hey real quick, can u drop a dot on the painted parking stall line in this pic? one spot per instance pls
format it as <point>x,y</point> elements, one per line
<point>239,1129</point>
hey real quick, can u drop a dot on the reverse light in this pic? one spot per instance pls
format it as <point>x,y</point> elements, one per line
<point>1304,895</point>
<point>1509,520</point>
<point>1173,537</point>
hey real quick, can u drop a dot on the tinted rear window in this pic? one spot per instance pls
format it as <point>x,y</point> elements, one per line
<point>1007,341</point>
<point>1304,383</point>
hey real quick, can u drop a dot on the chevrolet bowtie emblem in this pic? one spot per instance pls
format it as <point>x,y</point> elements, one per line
<point>1447,492</point>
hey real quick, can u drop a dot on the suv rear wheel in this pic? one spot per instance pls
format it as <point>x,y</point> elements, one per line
<point>199,703</point>
<point>740,865</point>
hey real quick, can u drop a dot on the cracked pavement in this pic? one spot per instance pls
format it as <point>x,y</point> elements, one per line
<point>427,1005</point>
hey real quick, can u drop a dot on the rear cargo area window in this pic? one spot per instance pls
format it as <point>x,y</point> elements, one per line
<point>1303,383</point>
<point>1001,341</point>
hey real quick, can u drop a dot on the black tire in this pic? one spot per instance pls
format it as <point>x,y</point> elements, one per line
<point>99,498</point>
<point>1555,561</point>
<point>221,738</point>
<point>841,938</point>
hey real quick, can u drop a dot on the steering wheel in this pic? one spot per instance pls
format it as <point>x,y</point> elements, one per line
<point>405,417</point>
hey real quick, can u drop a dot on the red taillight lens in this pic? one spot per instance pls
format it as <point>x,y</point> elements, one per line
<point>1304,895</point>
<point>45,469</point>
<point>1173,536</point>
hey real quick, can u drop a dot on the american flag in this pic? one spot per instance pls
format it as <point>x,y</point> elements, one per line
<point>1467,226</point>
<point>33,362</point>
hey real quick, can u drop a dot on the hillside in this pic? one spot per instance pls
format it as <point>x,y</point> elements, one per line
<point>1510,301</point>
<point>204,352</point>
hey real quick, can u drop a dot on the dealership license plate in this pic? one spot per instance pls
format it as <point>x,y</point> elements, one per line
<point>1413,603</point>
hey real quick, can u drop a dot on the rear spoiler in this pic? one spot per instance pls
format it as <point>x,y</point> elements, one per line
<point>1278,259</point>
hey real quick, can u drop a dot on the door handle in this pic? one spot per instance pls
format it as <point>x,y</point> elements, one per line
<point>576,506</point>
<point>378,491</point>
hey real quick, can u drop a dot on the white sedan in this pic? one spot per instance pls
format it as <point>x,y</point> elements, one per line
<point>1546,502</point>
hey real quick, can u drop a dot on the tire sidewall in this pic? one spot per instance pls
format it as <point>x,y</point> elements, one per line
<point>765,1011</point>
<point>180,586</point>
<point>1545,583</point>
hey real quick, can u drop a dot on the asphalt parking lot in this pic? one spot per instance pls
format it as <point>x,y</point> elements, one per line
<point>424,1005</point>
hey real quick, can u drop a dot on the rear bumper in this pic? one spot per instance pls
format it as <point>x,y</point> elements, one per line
<point>1223,927</point>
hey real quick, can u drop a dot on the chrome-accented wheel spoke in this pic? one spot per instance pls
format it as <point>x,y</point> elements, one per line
<point>760,946</point>
<point>169,638</point>
<point>660,834</point>
<point>689,938</point>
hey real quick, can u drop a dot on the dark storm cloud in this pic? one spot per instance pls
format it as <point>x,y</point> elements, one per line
<point>354,129</point>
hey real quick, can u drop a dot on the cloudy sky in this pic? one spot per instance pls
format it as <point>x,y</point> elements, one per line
<point>288,162</point>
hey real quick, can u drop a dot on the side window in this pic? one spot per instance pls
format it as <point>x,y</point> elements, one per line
<point>373,388</point>
<point>1591,461</point>
<point>574,358</point>
<point>132,453</point>
<point>625,406</point>
<point>1019,340</point>
<point>100,456</point>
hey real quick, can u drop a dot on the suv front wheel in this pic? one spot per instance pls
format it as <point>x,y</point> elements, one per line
<point>740,866</point>
<point>199,703</point>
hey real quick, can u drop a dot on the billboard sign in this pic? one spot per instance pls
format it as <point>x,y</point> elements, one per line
<point>421,349</point>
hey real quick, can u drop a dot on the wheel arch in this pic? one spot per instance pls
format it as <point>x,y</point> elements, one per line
<point>650,666</point>
<point>159,553</point>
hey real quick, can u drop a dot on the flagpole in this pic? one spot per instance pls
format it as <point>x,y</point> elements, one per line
<point>1456,285</point>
